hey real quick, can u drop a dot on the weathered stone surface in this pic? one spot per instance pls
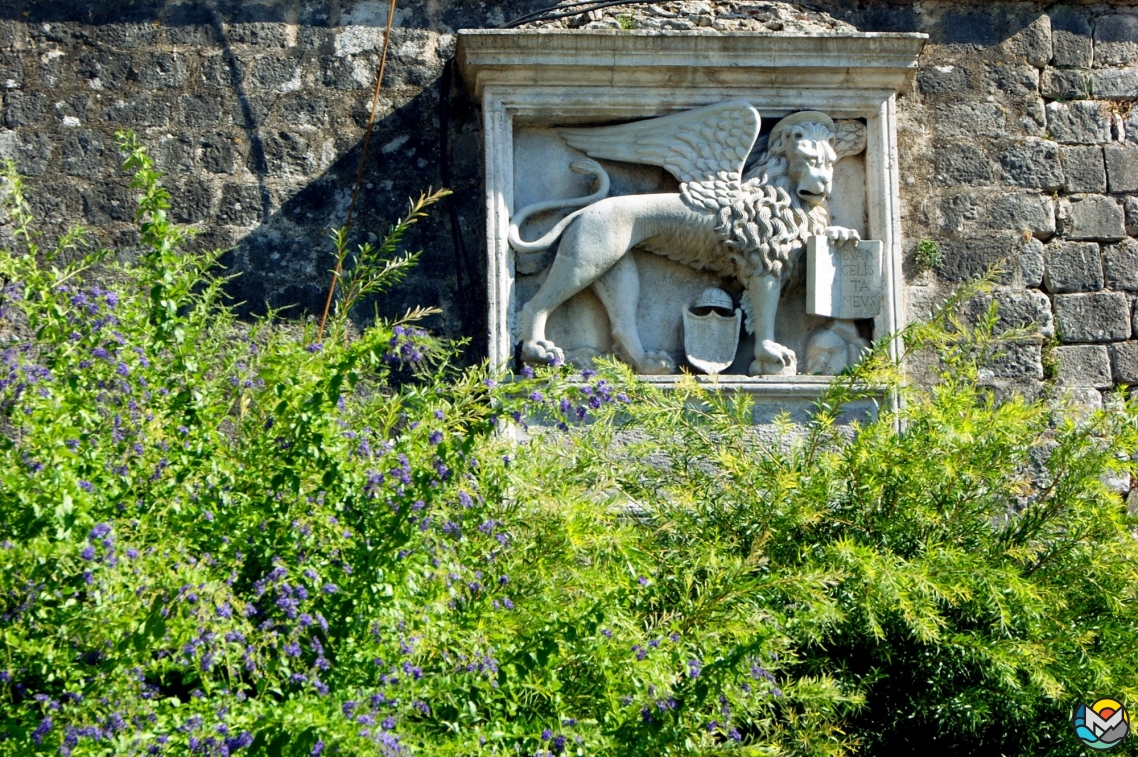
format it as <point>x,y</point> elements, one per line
<point>1015,360</point>
<point>24,109</point>
<point>1124,362</point>
<point>967,256</point>
<point>141,110</point>
<point>1122,167</point>
<point>241,205</point>
<point>969,120</point>
<point>1073,267</point>
<point>962,164</point>
<point>1065,84</point>
<point>1091,217</point>
<point>1120,83</point>
<point>158,70</point>
<point>1022,211</point>
<point>1016,80</point>
<point>943,80</point>
<point>1131,204</point>
<point>1120,265</point>
<point>1031,262</point>
<point>1116,39</point>
<point>32,152</point>
<point>1024,309</point>
<point>1071,43</point>
<point>1079,122</point>
<point>1032,163</point>
<point>1083,169</point>
<point>1083,365</point>
<point>86,153</point>
<point>1097,317</point>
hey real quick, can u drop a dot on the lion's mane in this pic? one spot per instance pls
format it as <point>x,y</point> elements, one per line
<point>765,226</point>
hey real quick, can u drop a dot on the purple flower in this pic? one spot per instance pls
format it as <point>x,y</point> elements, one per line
<point>292,650</point>
<point>546,735</point>
<point>86,486</point>
<point>99,531</point>
<point>317,748</point>
<point>224,610</point>
<point>695,667</point>
<point>330,588</point>
<point>88,553</point>
<point>314,348</point>
<point>436,437</point>
<point>41,730</point>
<point>642,581</point>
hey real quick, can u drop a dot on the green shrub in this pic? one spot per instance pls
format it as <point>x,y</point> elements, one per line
<point>226,538</point>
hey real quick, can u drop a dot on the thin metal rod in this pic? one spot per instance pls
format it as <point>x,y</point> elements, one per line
<point>360,169</point>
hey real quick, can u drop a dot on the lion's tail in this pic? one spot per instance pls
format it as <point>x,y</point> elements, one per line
<point>585,166</point>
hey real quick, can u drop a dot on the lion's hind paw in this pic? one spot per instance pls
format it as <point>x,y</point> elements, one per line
<point>542,351</point>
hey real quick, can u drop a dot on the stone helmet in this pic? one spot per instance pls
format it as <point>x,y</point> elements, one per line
<point>713,299</point>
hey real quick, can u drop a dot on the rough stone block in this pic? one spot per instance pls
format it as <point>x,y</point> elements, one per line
<point>1031,259</point>
<point>1065,84</point>
<point>1022,211</point>
<point>274,72</point>
<point>961,164</point>
<point>109,69</point>
<point>86,153</point>
<point>1119,83</point>
<point>1131,204</point>
<point>1122,167</point>
<point>1071,43</point>
<point>1033,163</point>
<point>202,110</point>
<point>11,67</point>
<point>241,205</point>
<point>262,34</point>
<point>1091,217</point>
<point>1073,267</point>
<point>1015,360</point>
<point>1083,169</point>
<point>24,109</point>
<point>104,203</point>
<point>1080,122</point>
<point>141,110</point>
<point>969,120</point>
<point>1032,42</point>
<point>192,200</point>
<point>174,155</point>
<point>159,70</point>
<point>1120,265</point>
<point>32,152</point>
<point>219,153</point>
<point>1084,365</point>
<point>968,256</point>
<point>1124,362</point>
<point>1116,39</point>
<point>1016,308</point>
<point>943,80</point>
<point>1016,80</point>
<point>1096,317</point>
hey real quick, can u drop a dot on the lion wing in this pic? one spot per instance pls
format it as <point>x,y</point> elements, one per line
<point>705,148</point>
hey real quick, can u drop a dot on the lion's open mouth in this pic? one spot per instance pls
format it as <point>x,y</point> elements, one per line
<point>809,196</point>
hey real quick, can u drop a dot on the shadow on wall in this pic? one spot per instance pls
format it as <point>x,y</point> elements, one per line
<point>256,111</point>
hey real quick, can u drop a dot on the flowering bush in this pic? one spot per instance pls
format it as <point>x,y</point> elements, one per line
<point>223,538</point>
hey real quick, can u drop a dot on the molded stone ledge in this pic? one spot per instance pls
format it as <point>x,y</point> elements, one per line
<point>553,57</point>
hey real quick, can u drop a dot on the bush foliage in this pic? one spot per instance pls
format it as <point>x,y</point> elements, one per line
<point>225,538</point>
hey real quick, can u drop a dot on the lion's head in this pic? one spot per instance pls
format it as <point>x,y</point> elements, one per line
<point>799,158</point>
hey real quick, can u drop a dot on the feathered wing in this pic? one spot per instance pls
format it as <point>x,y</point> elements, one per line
<point>705,148</point>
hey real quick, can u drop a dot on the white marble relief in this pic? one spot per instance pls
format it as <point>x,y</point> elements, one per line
<point>743,211</point>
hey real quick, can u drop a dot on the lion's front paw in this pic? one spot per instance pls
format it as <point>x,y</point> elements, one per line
<point>656,363</point>
<point>771,358</point>
<point>542,352</point>
<point>842,236</point>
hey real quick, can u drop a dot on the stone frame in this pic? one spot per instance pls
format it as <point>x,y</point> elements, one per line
<point>563,77</point>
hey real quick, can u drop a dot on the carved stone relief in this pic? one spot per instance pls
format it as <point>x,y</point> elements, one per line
<point>628,174</point>
<point>740,213</point>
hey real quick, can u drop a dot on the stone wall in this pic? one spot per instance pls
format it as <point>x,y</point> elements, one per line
<point>1017,138</point>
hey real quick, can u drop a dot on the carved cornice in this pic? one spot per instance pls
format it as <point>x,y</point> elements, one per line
<point>874,64</point>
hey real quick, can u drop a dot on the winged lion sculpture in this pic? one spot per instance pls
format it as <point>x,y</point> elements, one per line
<point>751,224</point>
